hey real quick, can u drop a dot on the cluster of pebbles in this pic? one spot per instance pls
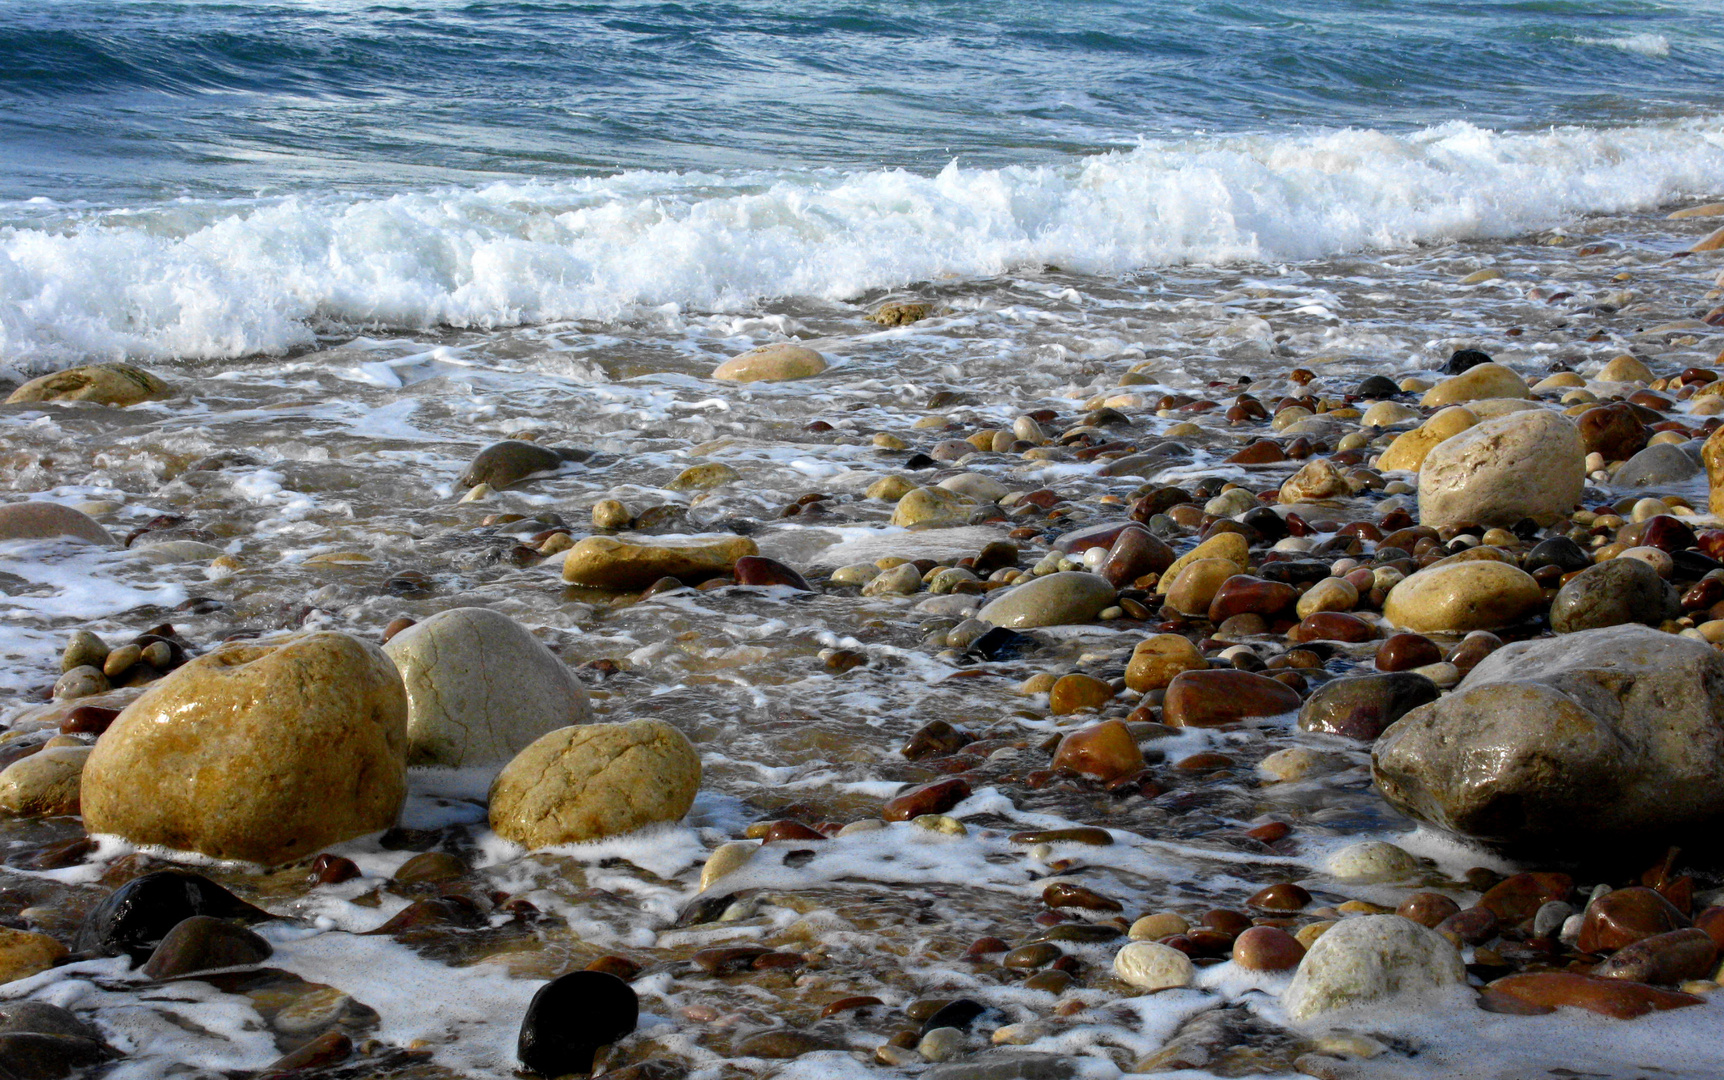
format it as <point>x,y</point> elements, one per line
<point>1111,696</point>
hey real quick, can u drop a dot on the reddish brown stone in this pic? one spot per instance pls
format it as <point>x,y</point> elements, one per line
<point>1402,652</point>
<point>620,966</point>
<point>1105,751</point>
<point>1712,921</point>
<point>1471,925</point>
<point>935,798</point>
<point>1077,692</point>
<point>1270,831</point>
<point>1217,697</point>
<point>728,960</point>
<point>936,739</point>
<point>1267,948</point>
<point>1332,626</point>
<point>1261,452</point>
<point>1136,552</point>
<point>1625,916</point>
<point>1203,762</point>
<point>1063,894</point>
<point>850,1004</point>
<point>760,570</point>
<point>1473,648</point>
<point>88,720</point>
<point>1613,430</point>
<point>1518,898</point>
<point>329,869</point>
<point>1243,594</point>
<point>789,830</point>
<point>1283,897</point>
<point>1428,909</point>
<point>1226,920</point>
<point>1550,990</point>
<point>1670,958</point>
<point>985,946</point>
<point>1667,533</point>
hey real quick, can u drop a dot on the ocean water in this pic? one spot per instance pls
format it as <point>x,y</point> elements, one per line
<point>363,241</point>
<point>203,179</point>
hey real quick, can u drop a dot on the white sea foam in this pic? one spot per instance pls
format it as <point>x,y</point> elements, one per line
<point>1656,45</point>
<point>197,279</point>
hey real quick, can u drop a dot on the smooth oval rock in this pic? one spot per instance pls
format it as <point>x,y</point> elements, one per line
<point>104,384</point>
<point>1105,751</point>
<point>1267,948</point>
<point>1070,596</point>
<point>480,688</point>
<point>1612,593</point>
<point>1363,706</point>
<point>1212,698</point>
<point>134,918</point>
<point>1479,595</point>
<point>1622,917</point>
<point>1372,959</point>
<point>45,784</point>
<point>1487,380</point>
<point>1667,959</point>
<point>777,362</point>
<point>265,753</point>
<point>606,562</point>
<point>509,462</point>
<point>571,1018</point>
<point>49,521</point>
<point>1150,965</point>
<point>585,783</point>
<point>203,943</point>
<point>1546,991</point>
<point>1157,659</point>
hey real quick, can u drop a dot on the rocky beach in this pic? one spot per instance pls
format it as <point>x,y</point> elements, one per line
<point>1257,670</point>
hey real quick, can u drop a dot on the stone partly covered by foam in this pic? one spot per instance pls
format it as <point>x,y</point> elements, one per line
<point>480,688</point>
<point>1371,960</point>
<point>257,752</point>
<point>771,363</point>
<point>605,562</point>
<point>1603,735</point>
<point>103,384</point>
<point>50,521</point>
<point>586,783</point>
<point>1524,465</point>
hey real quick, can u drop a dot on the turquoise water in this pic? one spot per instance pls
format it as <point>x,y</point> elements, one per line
<point>195,179</point>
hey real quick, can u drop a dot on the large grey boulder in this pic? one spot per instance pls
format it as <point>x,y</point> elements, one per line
<point>1605,735</point>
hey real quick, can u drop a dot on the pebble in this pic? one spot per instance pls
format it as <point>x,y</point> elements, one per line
<point>1218,697</point>
<point>1150,965</point>
<point>1106,751</point>
<point>1372,860</point>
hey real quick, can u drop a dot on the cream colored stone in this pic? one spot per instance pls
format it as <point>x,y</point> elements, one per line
<point>1483,381</point>
<point>606,562</point>
<point>977,486</point>
<point>1197,584</point>
<point>480,688</point>
<point>1562,380</point>
<point>772,363</point>
<point>1479,595</point>
<point>1626,369</point>
<point>1159,925</point>
<point>264,753</point>
<point>1479,277</point>
<point>104,384</point>
<point>1491,408</point>
<point>1330,594</point>
<point>586,783</point>
<point>1150,965</point>
<point>1387,414</point>
<point>1408,450</point>
<point>1372,860</point>
<point>1317,480</point>
<point>1296,763</point>
<point>704,477</point>
<point>725,859</point>
<point>1527,465</point>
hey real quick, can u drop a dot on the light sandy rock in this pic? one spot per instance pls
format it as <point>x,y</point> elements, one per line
<point>1526,465</point>
<point>48,521</point>
<point>771,363</point>
<point>1150,965</point>
<point>1371,960</point>
<point>1372,860</point>
<point>1475,595</point>
<point>1408,450</point>
<point>1197,584</point>
<point>726,859</point>
<point>1156,660</point>
<point>933,506</point>
<point>480,688</point>
<point>1491,408</point>
<point>585,783</point>
<point>978,486</point>
<point>260,752</point>
<point>1491,380</point>
<point>607,562</point>
<point>104,384</point>
<point>1387,414</point>
<point>1625,369</point>
<point>704,477</point>
<point>1316,480</point>
<point>889,489</point>
<point>1230,546</point>
<point>45,784</point>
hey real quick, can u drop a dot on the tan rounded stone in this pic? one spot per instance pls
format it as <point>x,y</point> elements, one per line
<point>1230,546</point>
<point>772,363</point>
<point>1157,926</point>
<point>264,753</point>
<point>611,514</point>
<point>1156,660</point>
<point>1408,450</point>
<point>1627,369</point>
<point>23,954</point>
<point>45,784</point>
<point>1076,693</point>
<point>1483,381</point>
<point>1480,595</point>
<point>1330,594</point>
<point>48,521</point>
<point>586,783</point>
<point>932,506</point>
<point>1197,584</point>
<point>726,859</point>
<point>1387,414</point>
<point>606,562</point>
<point>105,384</point>
<point>704,477</point>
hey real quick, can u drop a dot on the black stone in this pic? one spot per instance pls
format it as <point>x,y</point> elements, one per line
<point>1558,551</point>
<point>1266,523</point>
<point>997,643</point>
<point>1360,708</point>
<point>41,1018</point>
<point>28,1055</point>
<point>1295,571</point>
<point>571,1018</point>
<point>918,462</point>
<point>1377,386</point>
<point>1464,360</point>
<point>958,1014</point>
<point>136,916</point>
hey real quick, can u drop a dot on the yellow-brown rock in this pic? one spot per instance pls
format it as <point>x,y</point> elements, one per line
<point>23,954</point>
<point>1490,380</point>
<point>45,784</point>
<point>606,562</point>
<point>1478,595</point>
<point>104,384</point>
<point>1230,546</point>
<point>585,783</point>
<point>1077,692</point>
<point>1105,751</point>
<point>1408,450</point>
<point>932,506</point>
<point>1625,368</point>
<point>1156,660</point>
<point>1196,585</point>
<point>771,363</point>
<point>260,752</point>
<point>1318,479</point>
<point>1713,455</point>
